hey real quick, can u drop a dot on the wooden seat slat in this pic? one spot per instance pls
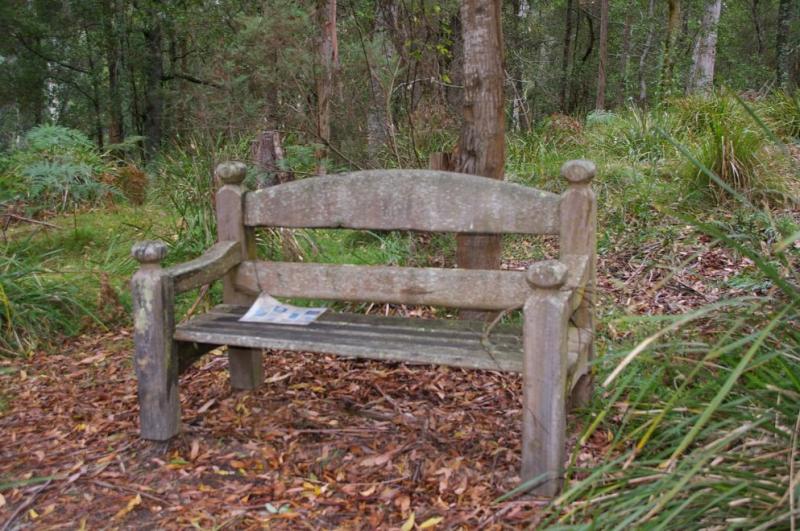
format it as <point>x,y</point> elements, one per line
<point>419,341</point>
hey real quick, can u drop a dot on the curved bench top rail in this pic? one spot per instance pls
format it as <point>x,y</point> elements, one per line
<point>420,200</point>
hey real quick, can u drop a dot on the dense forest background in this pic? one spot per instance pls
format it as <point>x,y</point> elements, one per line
<point>164,72</point>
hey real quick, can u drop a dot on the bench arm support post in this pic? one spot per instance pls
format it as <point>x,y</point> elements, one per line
<point>155,351</point>
<point>544,413</point>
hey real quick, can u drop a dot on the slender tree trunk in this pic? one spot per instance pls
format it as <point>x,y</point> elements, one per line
<point>648,43</point>
<point>481,146</point>
<point>328,57</point>
<point>670,41</point>
<point>95,99</point>
<point>704,56</point>
<point>154,97</point>
<point>625,61</point>
<point>377,113</point>
<point>566,62</point>
<point>115,126</point>
<point>600,101</point>
<point>782,43</point>
<point>754,14</point>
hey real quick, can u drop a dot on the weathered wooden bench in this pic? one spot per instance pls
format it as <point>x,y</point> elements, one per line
<point>551,349</point>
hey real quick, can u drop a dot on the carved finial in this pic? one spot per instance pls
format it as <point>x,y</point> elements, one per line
<point>149,252</point>
<point>547,274</point>
<point>578,171</point>
<point>231,172</point>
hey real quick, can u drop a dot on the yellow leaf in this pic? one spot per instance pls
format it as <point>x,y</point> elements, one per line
<point>431,522</point>
<point>310,488</point>
<point>33,514</point>
<point>132,503</point>
<point>409,525</point>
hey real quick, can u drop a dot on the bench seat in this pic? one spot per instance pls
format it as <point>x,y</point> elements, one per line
<point>421,341</point>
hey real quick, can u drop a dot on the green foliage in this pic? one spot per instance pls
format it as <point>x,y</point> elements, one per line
<point>58,169</point>
<point>729,144</point>
<point>36,305</point>
<point>783,110</point>
<point>184,183</point>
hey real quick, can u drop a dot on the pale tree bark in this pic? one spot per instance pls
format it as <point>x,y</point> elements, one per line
<point>625,60</point>
<point>670,41</point>
<point>648,43</point>
<point>701,77</point>
<point>380,57</point>
<point>600,101</point>
<point>481,146</point>
<point>782,43</point>
<point>328,60</point>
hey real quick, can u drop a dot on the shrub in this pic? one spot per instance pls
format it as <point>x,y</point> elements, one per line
<point>57,169</point>
<point>729,144</point>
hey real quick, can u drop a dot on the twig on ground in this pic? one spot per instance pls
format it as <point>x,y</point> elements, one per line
<point>29,220</point>
<point>24,505</point>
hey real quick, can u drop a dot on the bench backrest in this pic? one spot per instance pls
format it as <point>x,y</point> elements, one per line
<point>420,200</point>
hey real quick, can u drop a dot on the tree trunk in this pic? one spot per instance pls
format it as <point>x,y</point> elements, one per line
<point>670,41</point>
<point>600,102</point>
<point>115,124</point>
<point>645,52</point>
<point>154,97</point>
<point>328,57</point>
<point>626,58</point>
<point>267,152</point>
<point>754,14</point>
<point>782,43</point>
<point>482,140</point>
<point>566,62</point>
<point>377,113</point>
<point>704,56</point>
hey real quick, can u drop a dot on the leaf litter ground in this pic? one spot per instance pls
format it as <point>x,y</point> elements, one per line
<point>325,443</point>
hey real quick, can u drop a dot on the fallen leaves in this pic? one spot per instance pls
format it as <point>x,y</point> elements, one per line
<point>329,442</point>
<point>132,504</point>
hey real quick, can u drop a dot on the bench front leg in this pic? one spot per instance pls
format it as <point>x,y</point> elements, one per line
<point>544,413</point>
<point>155,350</point>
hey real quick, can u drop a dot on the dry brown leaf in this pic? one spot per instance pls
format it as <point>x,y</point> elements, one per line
<point>132,503</point>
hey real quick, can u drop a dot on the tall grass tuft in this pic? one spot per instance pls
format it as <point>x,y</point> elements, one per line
<point>783,111</point>
<point>36,305</point>
<point>722,136</point>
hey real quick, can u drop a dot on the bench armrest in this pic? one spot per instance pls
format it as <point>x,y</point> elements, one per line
<point>206,268</point>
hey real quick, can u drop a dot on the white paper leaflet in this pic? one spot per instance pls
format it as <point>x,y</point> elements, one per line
<point>269,310</point>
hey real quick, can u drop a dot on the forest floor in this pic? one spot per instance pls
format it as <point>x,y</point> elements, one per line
<point>324,443</point>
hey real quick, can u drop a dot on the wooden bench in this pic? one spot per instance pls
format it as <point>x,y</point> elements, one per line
<point>551,349</point>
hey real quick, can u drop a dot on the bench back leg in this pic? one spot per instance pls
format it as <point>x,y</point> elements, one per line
<point>544,373</point>
<point>154,349</point>
<point>245,364</point>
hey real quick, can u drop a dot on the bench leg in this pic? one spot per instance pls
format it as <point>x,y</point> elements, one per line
<point>155,354</point>
<point>246,369</point>
<point>544,390</point>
